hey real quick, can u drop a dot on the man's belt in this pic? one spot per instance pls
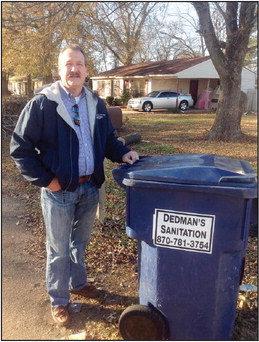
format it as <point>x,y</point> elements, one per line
<point>84,179</point>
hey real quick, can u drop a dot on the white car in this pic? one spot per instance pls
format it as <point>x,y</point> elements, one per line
<point>162,99</point>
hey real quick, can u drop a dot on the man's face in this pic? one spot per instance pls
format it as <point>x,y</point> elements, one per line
<point>72,70</point>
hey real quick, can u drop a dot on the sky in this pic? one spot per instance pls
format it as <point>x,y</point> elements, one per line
<point>175,8</point>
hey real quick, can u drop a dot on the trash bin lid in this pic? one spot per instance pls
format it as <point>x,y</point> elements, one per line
<point>206,169</point>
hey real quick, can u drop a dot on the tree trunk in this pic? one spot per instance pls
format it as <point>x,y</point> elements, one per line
<point>239,20</point>
<point>227,124</point>
<point>4,82</point>
<point>29,90</point>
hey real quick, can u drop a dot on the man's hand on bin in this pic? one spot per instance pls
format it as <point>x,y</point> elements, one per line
<point>131,157</point>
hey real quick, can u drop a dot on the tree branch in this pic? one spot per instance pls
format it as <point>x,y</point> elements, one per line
<point>208,32</point>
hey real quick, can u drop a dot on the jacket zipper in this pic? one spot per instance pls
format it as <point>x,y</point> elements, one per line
<point>71,163</point>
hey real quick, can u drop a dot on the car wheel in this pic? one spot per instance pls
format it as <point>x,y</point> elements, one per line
<point>183,106</point>
<point>147,106</point>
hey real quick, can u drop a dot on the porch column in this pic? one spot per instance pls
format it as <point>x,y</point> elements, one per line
<point>121,87</point>
<point>112,88</point>
<point>177,89</point>
<point>148,86</point>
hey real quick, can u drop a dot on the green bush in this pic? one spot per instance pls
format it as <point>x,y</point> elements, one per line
<point>109,100</point>
<point>117,101</point>
<point>125,96</point>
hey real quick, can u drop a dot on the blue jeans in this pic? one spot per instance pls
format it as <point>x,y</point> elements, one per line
<point>69,217</point>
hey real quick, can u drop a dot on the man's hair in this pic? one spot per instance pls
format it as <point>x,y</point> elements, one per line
<point>72,47</point>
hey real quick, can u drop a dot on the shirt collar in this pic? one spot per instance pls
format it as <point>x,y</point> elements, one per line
<point>67,92</point>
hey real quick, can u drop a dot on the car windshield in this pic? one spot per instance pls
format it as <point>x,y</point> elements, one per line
<point>153,94</point>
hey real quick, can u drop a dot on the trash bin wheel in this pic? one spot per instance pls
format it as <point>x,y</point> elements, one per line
<point>142,323</point>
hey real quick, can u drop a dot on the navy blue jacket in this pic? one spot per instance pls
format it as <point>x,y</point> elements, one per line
<point>44,144</point>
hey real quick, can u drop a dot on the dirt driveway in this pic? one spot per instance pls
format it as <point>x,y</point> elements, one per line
<point>25,306</point>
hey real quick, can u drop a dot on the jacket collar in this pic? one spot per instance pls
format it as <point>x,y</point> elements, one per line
<point>53,93</point>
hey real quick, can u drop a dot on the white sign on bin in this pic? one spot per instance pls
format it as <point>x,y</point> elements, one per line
<point>185,231</point>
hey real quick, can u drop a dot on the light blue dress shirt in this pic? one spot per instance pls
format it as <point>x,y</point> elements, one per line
<point>86,157</point>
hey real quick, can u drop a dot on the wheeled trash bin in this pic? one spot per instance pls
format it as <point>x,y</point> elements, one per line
<point>191,215</point>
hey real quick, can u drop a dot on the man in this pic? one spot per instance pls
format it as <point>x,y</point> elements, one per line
<point>59,144</point>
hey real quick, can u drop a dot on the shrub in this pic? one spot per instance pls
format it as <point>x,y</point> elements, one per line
<point>125,96</point>
<point>117,102</point>
<point>109,100</point>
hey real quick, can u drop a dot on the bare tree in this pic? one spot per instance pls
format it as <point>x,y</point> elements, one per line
<point>174,35</point>
<point>190,41</point>
<point>228,58</point>
<point>158,41</point>
<point>118,27</point>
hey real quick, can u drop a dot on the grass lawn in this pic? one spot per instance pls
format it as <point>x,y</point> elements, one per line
<point>186,133</point>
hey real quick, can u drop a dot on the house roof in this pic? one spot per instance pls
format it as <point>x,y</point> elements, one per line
<point>154,68</point>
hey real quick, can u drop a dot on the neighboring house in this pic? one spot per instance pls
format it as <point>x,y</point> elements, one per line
<point>195,76</point>
<point>18,84</point>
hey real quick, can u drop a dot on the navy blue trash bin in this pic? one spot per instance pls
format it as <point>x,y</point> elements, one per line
<point>191,215</point>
